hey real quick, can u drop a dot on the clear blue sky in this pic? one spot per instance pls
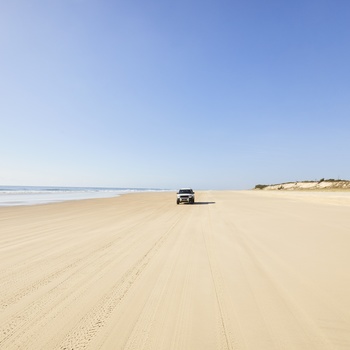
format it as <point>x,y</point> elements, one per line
<point>208,94</point>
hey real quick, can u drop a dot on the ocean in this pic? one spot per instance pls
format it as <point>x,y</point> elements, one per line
<point>31,195</point>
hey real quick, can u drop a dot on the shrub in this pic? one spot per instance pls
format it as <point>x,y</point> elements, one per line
<point>260,187</point>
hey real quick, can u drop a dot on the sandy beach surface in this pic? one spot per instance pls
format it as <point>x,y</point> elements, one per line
<point>237,270</point>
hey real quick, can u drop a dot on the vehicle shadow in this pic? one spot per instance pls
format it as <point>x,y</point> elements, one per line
<point>203,203</point>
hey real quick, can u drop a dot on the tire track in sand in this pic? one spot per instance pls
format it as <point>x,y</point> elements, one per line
<point>227,341</point>
<point>25,322</point>
<point>96,318</point>
<point>69,260</point>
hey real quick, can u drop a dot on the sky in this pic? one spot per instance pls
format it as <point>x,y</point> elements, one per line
<point>209,94</point>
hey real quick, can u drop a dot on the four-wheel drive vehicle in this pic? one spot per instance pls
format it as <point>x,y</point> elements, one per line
<point>185,195</point>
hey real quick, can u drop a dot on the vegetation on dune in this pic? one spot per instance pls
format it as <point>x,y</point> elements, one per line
<point>260,187</point>
<point>316,182</point>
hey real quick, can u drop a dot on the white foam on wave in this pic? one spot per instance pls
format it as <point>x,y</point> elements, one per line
<point>15,195</point>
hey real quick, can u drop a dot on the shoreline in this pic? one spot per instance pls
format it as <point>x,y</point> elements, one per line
<point>42,195</point>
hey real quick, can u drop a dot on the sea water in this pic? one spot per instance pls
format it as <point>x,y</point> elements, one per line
<point>31,195</point>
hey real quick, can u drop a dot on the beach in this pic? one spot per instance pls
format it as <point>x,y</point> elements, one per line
<point>236,270</point>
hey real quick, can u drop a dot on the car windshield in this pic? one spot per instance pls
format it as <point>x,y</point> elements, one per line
<point>185,191</point>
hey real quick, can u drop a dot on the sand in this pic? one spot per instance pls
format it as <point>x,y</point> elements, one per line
<point>238,270</point>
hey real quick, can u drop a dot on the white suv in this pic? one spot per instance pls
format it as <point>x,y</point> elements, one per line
<point>185,195</point>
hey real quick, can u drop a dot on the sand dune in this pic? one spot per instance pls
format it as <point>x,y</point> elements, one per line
<point>329,185</point>
<point>237,270</point>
